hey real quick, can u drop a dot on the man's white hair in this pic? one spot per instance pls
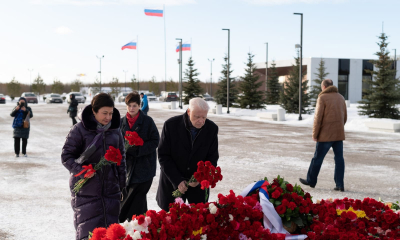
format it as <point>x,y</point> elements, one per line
<point>198,103</point>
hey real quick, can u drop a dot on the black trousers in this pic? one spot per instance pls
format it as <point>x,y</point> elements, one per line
<point>17,145</point>
<point>73,121</point>
<point>135,201</point>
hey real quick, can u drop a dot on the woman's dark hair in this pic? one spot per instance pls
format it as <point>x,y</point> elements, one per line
<point>132,97</point>
<point>102,100</point>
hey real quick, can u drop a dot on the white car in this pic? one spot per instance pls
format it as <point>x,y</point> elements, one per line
<point>151,96</point>
<point>78,96</point>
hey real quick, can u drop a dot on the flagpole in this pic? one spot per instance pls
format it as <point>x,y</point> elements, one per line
<point>191,51</point>
<point>137,55</point>
<point>165,49</point>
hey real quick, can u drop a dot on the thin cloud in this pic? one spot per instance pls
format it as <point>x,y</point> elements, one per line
<point>63,30</point>
<point>112,2</point>
<point>282,2</point>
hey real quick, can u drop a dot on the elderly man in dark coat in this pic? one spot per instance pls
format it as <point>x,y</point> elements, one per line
<point>97,204</point>
<point>185,140</point>
<point>20,113</point>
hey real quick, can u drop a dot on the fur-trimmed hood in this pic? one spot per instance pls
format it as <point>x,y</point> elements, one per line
<point>330,89</point>
<point>90,123</point>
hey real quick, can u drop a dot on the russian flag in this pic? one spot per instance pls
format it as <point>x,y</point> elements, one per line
<point>185,47</point>
<point>154,12</point>
<point>130,45</point>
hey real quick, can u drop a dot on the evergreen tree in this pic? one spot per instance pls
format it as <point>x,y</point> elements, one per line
<point>38,85</point>
<point>289,97</point>
<point>172,86</point>
<point>221,93</point>
<point>115,88</point>
<point>192,87</point>
<point>96,87</point>
<point>154,86</point>
<point>273,86</point>
<point>76,85</point>
<point>316,89</point>
<point>383,95</point>
<point>13,88</point>
<point>252,97</point>
<point>134,83</point>
<point>57,86</point>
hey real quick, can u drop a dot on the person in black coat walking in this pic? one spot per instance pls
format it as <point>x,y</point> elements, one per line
<point>20,113</point>
<point>97,204</point>
<point>141,161</point>
<point>73,108</point>
<point>185,140</point>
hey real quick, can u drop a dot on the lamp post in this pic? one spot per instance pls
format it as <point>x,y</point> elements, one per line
<point>125,71</point>
<point>100,69</point>
<point>266,69</point>
<point>227,74</point>
<point>395,63</point>
<point>180,71</point>
<point>30,79</point>
<point>301,62</point>
<point>211,61</point>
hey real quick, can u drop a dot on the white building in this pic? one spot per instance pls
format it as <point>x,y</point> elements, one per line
<point>347,74</point>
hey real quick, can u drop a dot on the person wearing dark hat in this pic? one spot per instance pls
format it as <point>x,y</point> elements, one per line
<point>73,108</point>
<point>21,113</point>
<point>145,104</point>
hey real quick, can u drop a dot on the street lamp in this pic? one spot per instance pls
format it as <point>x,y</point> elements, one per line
<point>228,79</point>
<point>100,69</point>
<point>266,68</point>
<point>301,62</point>
<point>180,72</point>
<point>211,76</point>
<point>30,79</point>
<point>125,71</point>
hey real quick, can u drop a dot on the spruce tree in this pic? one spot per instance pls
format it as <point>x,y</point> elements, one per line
<point>96,87</point>
<point>134,84</point>
<point>221,94</point>
<point>172,86</point>
<point>290,94</point>
<point>192,87</point>
<point>13,88</point>
<point>76,85</point>
<point>38,85</point>
<point>252,97</point>
<point>154,86</point>
<point>316,89</point>
<point>57,86</point>
<point>115,89</point>
<point>273,86</point>
<point>383,93</point>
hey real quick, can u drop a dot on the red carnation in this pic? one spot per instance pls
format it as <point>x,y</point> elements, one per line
<point>140,219</point>
<point>276,194</point>
<point>115,231</point>
<point>113,155</point>
<point>289,187</point>
<point>280,209</point>
<point>292,205</point>
<point>133,138</point>
<point>99,234</point>
<point>205,184</point>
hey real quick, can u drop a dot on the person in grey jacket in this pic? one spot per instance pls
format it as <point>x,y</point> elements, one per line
<point>141,161</point>
<point>20,113</point>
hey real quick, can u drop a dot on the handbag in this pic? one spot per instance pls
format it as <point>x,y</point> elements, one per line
<point>26,121</point>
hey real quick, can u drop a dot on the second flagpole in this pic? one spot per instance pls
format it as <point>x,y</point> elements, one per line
<point>165,49</point>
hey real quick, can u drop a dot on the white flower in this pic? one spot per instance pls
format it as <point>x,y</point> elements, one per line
<point>137,235</point>
<point>230,217</point>
<point>246,218</point>
<point>203,237</point>
<point>128,227</point>
<point>213,208</point>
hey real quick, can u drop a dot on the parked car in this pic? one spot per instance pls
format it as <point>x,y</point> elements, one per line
<point>54,98</point>
<point>2,98</point>
<point>121,96</point>
<point>78,96</point>
<point>30,97</point>
<point>168,97</point>
<point>151,96</point>
<point>207,97</point>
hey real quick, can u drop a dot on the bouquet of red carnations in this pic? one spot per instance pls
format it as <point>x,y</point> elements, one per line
<point>112,156</point>
<point>132,139</point>
<point>207,175</point>
<point>291,203</point>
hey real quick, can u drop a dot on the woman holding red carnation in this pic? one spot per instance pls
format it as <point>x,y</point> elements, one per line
<point>97,203</point>
<point>141,161</point>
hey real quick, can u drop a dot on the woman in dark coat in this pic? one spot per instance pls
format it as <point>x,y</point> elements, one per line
<point>141,161</point>
<point>73,108</point>
<point>21,111</point>
<point>97,204</point>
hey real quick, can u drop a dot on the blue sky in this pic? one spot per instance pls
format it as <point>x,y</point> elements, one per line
<point>60,38</point>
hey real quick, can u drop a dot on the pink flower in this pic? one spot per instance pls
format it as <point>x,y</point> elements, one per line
<point>179,200</point>
<point>258,206</point>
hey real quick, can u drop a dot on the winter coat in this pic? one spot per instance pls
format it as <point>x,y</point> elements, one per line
<point>22,132</point>
<point>73,107</point>
<point>178,155</point>
<point>141,162</point>
<point>144,104</point>
<point>97,204</point>
<point>330,116</point>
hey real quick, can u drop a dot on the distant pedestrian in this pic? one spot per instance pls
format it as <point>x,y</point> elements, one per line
<point>97,204</point>
<point>21,124</point>
<point>145,103</point>
<point>73,108</point>
<point>328,131</point>
<point>141,161</point>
